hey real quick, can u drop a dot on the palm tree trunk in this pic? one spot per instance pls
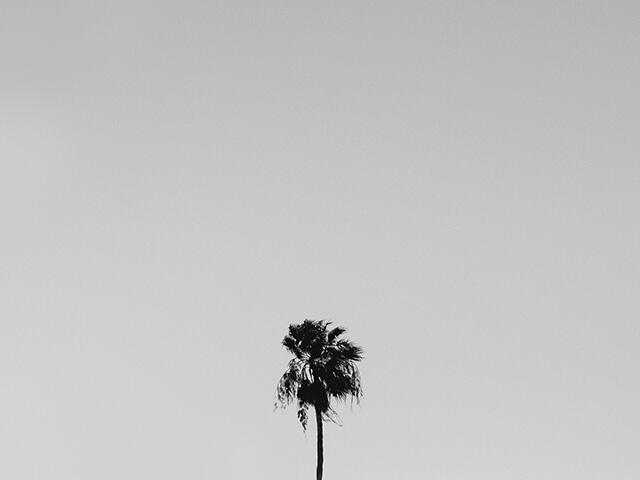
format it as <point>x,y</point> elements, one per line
<point>320,452</point>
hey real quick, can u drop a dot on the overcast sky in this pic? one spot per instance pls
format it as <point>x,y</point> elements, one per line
<point>457,183</point>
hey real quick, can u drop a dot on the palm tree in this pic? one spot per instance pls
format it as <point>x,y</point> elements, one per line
<point>323,368</point>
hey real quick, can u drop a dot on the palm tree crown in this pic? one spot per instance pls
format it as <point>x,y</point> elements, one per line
<point>323,368</point>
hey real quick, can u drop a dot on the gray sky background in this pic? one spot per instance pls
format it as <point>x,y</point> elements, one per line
<point>457,183</point>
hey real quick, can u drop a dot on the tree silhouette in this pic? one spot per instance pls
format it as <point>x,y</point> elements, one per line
<point>323,368</point>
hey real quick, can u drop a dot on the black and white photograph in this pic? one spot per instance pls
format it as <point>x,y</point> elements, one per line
<point>289,240</point>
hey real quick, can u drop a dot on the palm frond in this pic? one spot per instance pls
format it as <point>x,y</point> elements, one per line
<point>291,344</point>
<point>289,383</point>
<point>302,414</point>
<point>349,350</point>
<point>335,333</point>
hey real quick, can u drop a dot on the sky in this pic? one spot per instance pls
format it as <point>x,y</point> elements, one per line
<point>456,183</point>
